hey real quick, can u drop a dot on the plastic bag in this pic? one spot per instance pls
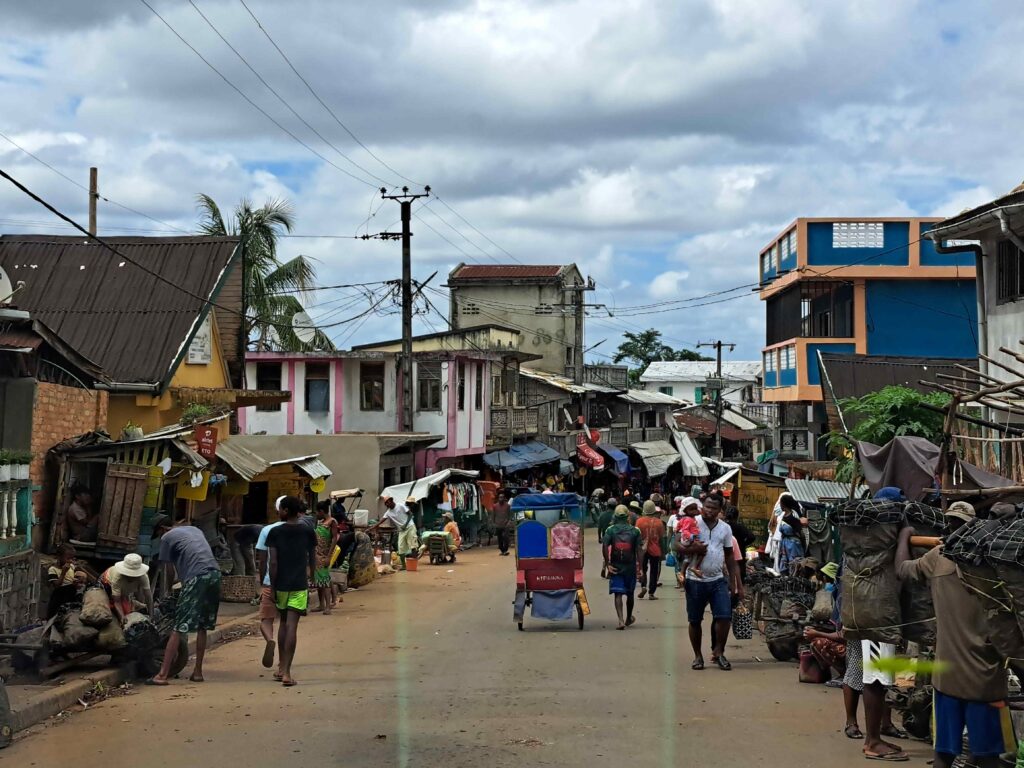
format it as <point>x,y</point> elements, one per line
<point>96,608</point>
<point>670,560</point>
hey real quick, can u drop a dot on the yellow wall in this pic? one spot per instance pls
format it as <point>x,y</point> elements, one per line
<point>152,412</point>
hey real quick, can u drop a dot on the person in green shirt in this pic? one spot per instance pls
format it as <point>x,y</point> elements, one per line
<point>604,519</point>
<point>621,551</point>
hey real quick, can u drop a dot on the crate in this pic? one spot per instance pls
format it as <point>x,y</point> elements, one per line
<point>239,589</point>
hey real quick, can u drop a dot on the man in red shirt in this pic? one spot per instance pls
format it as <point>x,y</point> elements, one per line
<point>652,540</point>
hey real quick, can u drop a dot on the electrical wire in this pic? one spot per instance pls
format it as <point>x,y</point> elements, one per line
<point>252,103</point>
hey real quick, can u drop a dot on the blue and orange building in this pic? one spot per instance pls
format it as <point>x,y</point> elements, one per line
<point>865,286</point>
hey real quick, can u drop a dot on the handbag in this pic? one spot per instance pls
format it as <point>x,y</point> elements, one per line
<point>742,623</point>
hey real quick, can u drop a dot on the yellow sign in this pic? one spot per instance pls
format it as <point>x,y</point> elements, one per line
<point>198,493</point>
<point>317,485</point>
<point>755,503</point>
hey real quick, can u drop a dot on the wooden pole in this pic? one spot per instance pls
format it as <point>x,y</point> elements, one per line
<point>94,195</point>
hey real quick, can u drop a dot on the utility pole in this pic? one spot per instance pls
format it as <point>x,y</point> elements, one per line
<point>405,201</point>
<point>579,305</point>
<point>94,195</point>
<point>717,388</point>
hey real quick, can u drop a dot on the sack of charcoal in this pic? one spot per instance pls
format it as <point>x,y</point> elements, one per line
<point>916,596</point>
<point>868,532</point>
<point>1006,555</point>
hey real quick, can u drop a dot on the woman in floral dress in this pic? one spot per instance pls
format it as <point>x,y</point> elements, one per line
<point>326,540</point>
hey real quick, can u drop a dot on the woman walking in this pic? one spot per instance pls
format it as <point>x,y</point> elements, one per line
<point>326,540</point>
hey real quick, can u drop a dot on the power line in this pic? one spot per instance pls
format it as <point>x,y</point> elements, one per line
<point>281,98</point>
<point>485,237</point>
<point>463,236</point>
<point>252,103</point>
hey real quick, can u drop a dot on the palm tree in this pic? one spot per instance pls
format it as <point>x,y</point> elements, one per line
<point>270,286</point>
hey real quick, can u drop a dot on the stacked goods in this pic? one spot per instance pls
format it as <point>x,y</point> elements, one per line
<point>1006,555</point>
<point>869,530</point>
<point>70,634</point>
<point>916,596</point>
<point>96,608</point>
<point>969,548</point>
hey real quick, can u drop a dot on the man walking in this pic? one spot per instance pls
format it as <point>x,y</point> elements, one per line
<point>621,550</point>
<point>652,539</point>
<point>713,584</point>
<point>292,566</point>
<point>501,519</point>
<point>184,549</point>
<point>268,606</point>
<point>969,677</point>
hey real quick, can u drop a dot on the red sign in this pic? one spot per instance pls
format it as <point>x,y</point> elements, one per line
<point>206,442</point>
<point>587,455</point>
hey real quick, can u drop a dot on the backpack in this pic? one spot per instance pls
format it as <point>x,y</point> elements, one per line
<point>623,542</point>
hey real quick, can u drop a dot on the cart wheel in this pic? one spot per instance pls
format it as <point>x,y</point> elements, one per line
<point>579,614</point>
<point>520,626</point>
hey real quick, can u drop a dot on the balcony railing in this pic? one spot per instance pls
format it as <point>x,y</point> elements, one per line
<point>508,422</point>
<point>763,413</point>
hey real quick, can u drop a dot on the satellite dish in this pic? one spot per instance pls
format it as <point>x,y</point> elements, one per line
<point>6,288</point>
<point>302,326</point>
<point>165,465</point>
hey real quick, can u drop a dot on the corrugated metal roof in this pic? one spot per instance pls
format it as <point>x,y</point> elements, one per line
<point>657,456</point>
<point>697,424</point>
<point>813,491</point>
<point>130,323</point>
<point>242,460</point>
<point>564,383</point>
<point>313,467</point>
<point>504,271</point>
<point>699,370</point>
<point>649,397</point>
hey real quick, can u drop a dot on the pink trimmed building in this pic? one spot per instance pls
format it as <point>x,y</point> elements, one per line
<point>460,377</point>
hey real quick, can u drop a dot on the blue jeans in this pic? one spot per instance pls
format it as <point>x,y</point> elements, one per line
<point>701,594</point>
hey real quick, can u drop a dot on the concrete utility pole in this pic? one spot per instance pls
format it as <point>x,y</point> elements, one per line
<point>405,200</point>
<point>717,388</point>
<point>94,196</point>
<point>579,305</point>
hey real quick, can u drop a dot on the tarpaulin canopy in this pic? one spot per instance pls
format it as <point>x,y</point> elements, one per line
<point>909,463</point>
<point>620,461</point>
<point>693,464</point>
<point>419,489</point>
<point>587,455</point>
<point>519,457</point>
<point>657,456</point>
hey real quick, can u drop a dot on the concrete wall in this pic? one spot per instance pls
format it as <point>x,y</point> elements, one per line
<point>541,334</point>
<point>1005,326</point>
<point>930,318</point>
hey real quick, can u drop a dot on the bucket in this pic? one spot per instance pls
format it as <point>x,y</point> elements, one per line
<point>361,518</point>
<point>412,564</point>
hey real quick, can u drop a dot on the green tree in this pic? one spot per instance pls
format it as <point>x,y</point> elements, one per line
<point>270,285</point>
<point>643,348</point>
<point>880,416</point>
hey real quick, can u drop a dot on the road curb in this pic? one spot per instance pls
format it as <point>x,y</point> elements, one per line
<point>53,701</point>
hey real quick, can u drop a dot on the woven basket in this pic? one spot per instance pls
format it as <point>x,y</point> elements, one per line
<point>239,589</point>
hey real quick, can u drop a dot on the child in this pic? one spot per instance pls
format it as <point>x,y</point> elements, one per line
<point>686,533</point>
<point>65,579</point>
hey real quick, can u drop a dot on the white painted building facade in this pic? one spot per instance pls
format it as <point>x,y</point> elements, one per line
<point>687,380</point>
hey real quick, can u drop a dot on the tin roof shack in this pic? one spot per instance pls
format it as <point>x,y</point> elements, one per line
<point>130,482</point>
<point>163,321</point>
<point>258,474</point>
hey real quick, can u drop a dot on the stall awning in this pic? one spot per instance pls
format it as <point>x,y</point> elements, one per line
<point>518,457</point>
<point>693,464</point>
<point>311,465</point>
<point>587,455</point>
<point>657,456</point>
<point>620,461</point>
<point>418,489</point>
<point>249,465</point>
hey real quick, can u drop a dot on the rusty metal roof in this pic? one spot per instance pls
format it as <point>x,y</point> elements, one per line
<point>135,326</point>
<point>505,271</point>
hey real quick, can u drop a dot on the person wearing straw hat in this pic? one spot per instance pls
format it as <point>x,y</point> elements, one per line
<point>125,581</point>
<point>970,677</point>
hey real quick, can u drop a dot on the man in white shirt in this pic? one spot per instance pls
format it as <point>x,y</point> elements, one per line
<point>715,582</point>
<point>268,607</point>
<point>398,514</point>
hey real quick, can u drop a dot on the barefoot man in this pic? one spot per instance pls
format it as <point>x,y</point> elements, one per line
<point>292,565</point>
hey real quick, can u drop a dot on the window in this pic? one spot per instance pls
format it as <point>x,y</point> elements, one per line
<point>460,390</point>
<point>268,376</point>
<point>1009,275</point>
<point>570,356</point>
<point>428,386</point>
<point>478,394</point>
<point>858,234</point>
<point>764,264</point>
<point>698,394</point>
<point>469,308</point>
<point>371,386</point>
<point>665,391</point>
<point>771,258</point>
<point>769,361</point>
<point>318,387</point>
<point>543,309</point>
<point>788,361</point>
<point>791,242</point>
<point>496,392</point>
<point>826,310</point>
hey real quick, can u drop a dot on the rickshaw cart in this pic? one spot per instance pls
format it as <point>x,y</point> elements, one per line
<point>549,557</point>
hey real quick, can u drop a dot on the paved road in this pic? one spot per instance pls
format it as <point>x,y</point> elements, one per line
<point>427,669</point>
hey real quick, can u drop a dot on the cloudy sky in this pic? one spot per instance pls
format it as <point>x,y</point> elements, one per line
<point>658,144</point>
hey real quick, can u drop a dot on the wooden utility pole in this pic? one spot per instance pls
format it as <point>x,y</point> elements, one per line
<point>94,196</point>
<point>405,201</point>
<point>719,386</point>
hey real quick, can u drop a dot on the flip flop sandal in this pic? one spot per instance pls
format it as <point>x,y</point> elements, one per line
<point>157,683</point>
<point>623,626</point>
<point>891,757</point>
<point>853,732</point>
<point>631,621</point>
<point>698,664</point>
<point>723,663</point>
<point>277,677</point>
<point>268,654</point>
<point>894,733</point>
<point>289,683</point>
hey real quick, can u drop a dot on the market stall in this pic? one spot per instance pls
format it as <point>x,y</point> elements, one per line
<point>449,489</point>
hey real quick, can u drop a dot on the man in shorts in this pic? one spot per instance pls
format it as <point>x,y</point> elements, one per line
<point>713,584</point>
<point>268,608</point>
<point>970,678</point>
<point>292,565</point>
<point>185,549</point>
<point>621,550</point>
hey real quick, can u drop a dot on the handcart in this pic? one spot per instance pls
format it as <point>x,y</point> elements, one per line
<point>549,557</point>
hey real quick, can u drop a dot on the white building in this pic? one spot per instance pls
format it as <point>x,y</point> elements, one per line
<point>687,380</point>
